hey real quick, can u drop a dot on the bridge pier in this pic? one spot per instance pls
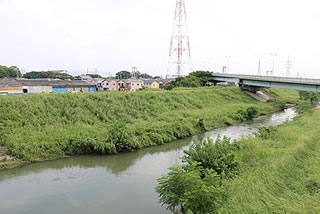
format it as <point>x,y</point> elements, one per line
<point>256,92</point>
<point>253,89</point>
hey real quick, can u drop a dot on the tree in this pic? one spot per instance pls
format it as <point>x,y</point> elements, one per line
<point>145,76</point>
<point>123,75</point>
<point>203,76</point>
<point>94,75</point>
<point>197,185</point>
<point>195,79</point>
<point>309,96</point>
<point>47,74</point>
<point>184,189</point>
<point>12,71</point>
<point>219,156</point>
<point>189,82</point>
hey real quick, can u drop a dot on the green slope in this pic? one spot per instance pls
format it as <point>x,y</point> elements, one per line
<point>48,126</point>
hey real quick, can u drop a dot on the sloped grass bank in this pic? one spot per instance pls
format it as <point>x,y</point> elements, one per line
<point>280,172</point>
<point>49,126</point>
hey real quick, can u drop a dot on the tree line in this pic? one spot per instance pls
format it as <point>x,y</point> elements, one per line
<point>195,79</point>
<point>12,71</point>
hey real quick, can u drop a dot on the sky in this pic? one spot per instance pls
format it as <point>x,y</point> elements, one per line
<point>115,35</point>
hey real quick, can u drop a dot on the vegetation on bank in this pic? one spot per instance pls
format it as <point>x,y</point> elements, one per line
<point>278,171</point>
<point>48,126</point>
<point>197,185</point>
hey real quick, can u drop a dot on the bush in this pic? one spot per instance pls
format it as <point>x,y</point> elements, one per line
<point>266,132</point>
<point>197,186</point>
<point>185,189</point>
<point>219,156</point>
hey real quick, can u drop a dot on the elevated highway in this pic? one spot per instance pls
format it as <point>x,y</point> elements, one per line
<point>255,83</point>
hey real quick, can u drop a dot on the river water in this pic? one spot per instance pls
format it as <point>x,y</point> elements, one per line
<point>115,184</point>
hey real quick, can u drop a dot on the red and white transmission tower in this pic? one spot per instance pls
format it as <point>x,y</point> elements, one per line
<point>179,55</point>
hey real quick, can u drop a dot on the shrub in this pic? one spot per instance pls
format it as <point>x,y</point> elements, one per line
<point>184,189</point>
<point>266,132</point>
<point>196,186</point>
<point>219,156</point>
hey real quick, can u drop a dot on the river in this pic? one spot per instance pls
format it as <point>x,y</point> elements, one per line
<point>114,184</point>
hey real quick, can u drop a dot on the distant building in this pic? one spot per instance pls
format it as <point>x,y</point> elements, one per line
<point>151,83</point>
<point>84,78</point>
<point>161,83</point>
<point>106,85</point>
<point>28,86</point>
<point>113,85</point>
<point>134,84</point>
<point>10,86</point>
<point>121,85</point>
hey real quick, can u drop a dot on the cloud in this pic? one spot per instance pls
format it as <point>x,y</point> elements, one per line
<point>116,35</point>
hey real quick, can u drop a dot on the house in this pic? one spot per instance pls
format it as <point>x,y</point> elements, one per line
<point>161,83</point>
<point>134,84</point>
<point>150,83</point>
<point>113,85</point>
<point>122,85</point>
<point>107,85</point>
<point>102,85</point>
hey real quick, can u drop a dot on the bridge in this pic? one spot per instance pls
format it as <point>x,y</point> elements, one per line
<point>255,83</point>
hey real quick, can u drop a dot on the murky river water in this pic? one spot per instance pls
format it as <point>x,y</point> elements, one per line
<point>122,183</point>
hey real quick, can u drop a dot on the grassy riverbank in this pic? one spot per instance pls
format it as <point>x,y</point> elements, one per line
<point>49,126</point>
<point>280,172</point>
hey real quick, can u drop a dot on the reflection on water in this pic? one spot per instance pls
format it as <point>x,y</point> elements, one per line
<point>122,183</point>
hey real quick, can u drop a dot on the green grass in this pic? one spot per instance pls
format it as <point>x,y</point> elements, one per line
<point>281,171</point>
<point>48,126</point>
<point>283,95</point>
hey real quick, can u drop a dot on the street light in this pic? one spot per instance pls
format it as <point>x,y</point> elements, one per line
<point>228,68</point>
<point>273,59</point>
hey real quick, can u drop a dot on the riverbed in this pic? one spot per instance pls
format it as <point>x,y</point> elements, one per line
<point>114,184</point>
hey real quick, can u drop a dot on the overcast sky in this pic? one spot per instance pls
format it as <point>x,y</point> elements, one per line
<point>114,35</point>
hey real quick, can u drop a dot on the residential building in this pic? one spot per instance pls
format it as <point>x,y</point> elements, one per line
<point>134,84</point>
<point>121,85</point>
<point>107,85</point>
<point>113,85</point>
<point>151,83</point>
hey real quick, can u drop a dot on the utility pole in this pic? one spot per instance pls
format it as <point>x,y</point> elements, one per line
<point>259,68</point>
<point>135,72</point>
<point>228,63</point>
<point>288,67</point>
<point>224,69</point>
<point>273,61</point>
<point>179,54</point>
